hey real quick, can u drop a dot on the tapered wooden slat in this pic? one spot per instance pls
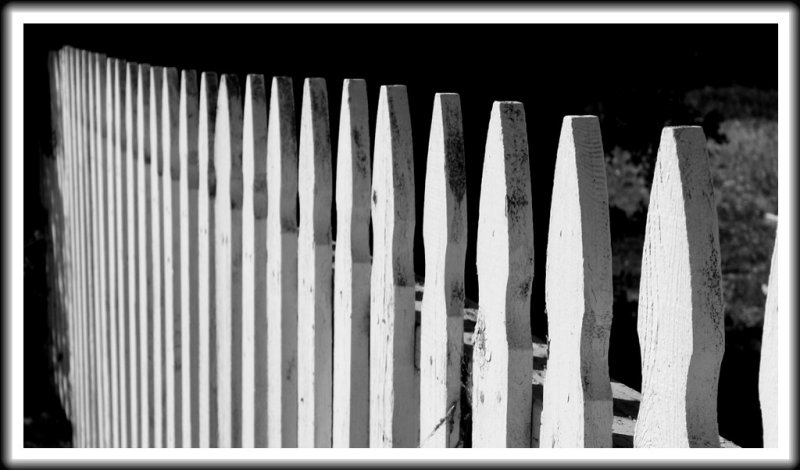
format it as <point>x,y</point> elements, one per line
<point>314,283</point>
<point>228,236</point>
<point>254,264</point>
<point>145,254</point>
<point>768,379</point>
<point>157,240</point>
<point>103,146</point>
<point>282,266</point>
<point>170,199</point>
<point>577,406</point>
<point>207,184</point>
<point>352,271</point>
<point>132,248</point>
<point>189,175</point>
<point>122,253</point>
<point>502,373</point>
<point>444,228</point>
<point>394,379</point>
<point>113,114</point>
<point>85,251</point>
<point>680,321</point>
<point>72,408</point>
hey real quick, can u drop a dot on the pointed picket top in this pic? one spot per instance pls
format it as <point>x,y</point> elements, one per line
<point>768,379</point>
<point>254,264</point>
<point>680,322</point>
<point>188,186</point>
<point>206,193</point>
<point>145,261</point>
<point>352,271</point>
<point>502,374</point>
<point>577,405</point>
<point>314,283</point>
<point>282,266</point>
<point>228,236</point>
<point>394,378</point>
<point>444,230</point>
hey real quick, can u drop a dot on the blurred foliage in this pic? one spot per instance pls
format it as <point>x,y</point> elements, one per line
<point>742,138</point>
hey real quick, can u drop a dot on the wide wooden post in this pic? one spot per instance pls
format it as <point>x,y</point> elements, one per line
<point>206,264</point>
<point>228,236</point>
<point>282,266</point>
<point>394,378</point>
<point>503,351</point>
<point>145,249</point>
<point>190,294</point>
<point>768,379</point>
<point>156,172</point>
<point>254,264</point>
<point>444,228</point>
<point>352,271</point>
<point>314,283</point>
<point>680,323</point>
<point>577,405</point>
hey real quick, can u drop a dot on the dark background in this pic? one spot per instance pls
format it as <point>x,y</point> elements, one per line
<point>634,77</point>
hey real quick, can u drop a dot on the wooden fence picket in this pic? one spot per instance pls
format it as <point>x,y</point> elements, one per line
<point>282,266</point>
<point>131,232</point>
<point>680,322</point>
<point>145,258</point>
<point>206,192</point>
<point>502,395</point>
<point>188,182</point>
<point>314,275</point>
<point>254,264</point>
<point>768,378</point>
<point>394,377</point>
<point>577,405</point>
<point>352,266</point>
<point>157,240</point>
<point>228,236</point>
<point>444,229</point>
<point>170,198</point>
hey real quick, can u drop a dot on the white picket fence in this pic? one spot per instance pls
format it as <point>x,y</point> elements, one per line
<point>195,311</point>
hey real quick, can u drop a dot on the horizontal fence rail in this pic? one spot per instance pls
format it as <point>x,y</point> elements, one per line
<point>194,308</point>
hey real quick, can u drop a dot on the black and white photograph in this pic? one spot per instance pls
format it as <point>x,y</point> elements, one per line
<point>264,227</point>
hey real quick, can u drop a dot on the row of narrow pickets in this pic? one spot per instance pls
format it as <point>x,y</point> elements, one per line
<point>190,308</point>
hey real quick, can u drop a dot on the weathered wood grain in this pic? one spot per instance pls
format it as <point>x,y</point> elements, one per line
<point>144,229</point>
<point>113,127</point>
<point>394,377</point>
<point>315,283</point>
<point>352,266</point>
<point>190,294</point>
<point>680,322</point>
<point>170,199</point>
<point>156,172</point>
<point>254,264</point>
<point>122,251</point>
<point>444,230</point>
<point>577,408</point>
<point>502,399</point>
<point>228,236</point>
<point>132,248</point>
<point>282,266</point>
<point>768,378</point>
<point>104,150</point>
<point>206,192</point>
